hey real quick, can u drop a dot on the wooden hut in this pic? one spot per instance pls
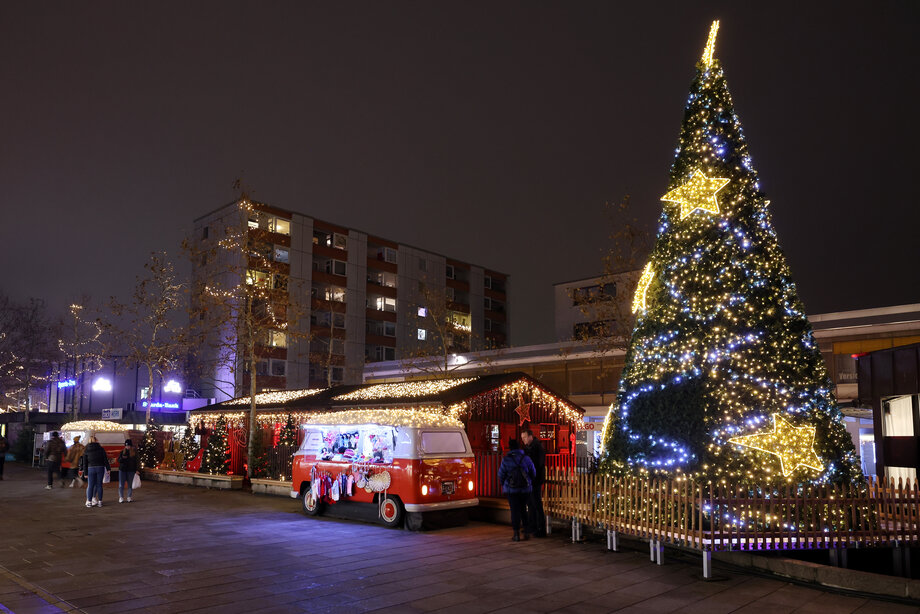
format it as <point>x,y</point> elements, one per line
<point>494,409</point>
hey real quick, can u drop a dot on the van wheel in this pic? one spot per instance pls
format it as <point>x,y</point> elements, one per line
<point>391,511</point>
<point>415,521</point>
<point>311,505</point>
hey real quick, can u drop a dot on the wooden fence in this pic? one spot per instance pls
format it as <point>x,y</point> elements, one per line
<point>714,517</point>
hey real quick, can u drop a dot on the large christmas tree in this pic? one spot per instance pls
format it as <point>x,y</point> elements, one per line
<point>723,377</point>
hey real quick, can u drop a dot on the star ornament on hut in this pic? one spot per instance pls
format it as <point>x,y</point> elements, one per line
<point>793,445</point>
<point>523,409</point>
<point>699,192</point>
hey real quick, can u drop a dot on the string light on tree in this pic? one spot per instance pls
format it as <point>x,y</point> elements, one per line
<point>793,445</point>
<point>724,347</point>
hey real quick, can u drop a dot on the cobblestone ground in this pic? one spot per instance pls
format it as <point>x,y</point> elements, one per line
<point>183,549</point>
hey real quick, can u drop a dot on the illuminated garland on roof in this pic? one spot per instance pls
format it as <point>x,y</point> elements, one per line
<point>94,425</point>
<point>415,417</point>
<point>403,390</point>
<point>275,397</point>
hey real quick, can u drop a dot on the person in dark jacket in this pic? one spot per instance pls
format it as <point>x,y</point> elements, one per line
<point>516,475</point>
<point>97,463</point>
<point>54,449</point>
<point>127,467</point>
<point>533,448</point>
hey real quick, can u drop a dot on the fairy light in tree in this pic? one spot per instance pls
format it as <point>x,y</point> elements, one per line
<point>792,445</point>
<point>698,193</point>
<point>645,281</point>
<point>724,350</point>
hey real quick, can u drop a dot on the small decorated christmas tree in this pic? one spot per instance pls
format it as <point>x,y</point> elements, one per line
<point>216,457</point>
<point>288,435</point>
<point>148,447</point>
<point>188,447</point>
<point>723,378</point>
<point>260,460</point>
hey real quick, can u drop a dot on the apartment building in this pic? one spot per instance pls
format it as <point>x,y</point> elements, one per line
<point>595,306</point>
<point>364,298</point>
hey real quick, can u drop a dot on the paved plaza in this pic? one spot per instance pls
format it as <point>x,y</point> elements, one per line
<point>184,549</point>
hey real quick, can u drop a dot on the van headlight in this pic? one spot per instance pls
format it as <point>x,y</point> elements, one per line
<point>470,486</point>
<point>424,489</point>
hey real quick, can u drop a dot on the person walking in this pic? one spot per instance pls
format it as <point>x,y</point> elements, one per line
<point>54,450</point>
<point>127,467</point>
<point>516,475</point>
<point>4,447</point>
<point>533,448</point>
<point>74,454</point>
<point>97,463</point>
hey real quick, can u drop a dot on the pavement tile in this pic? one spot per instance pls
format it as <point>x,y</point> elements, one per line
<point>183,549</point>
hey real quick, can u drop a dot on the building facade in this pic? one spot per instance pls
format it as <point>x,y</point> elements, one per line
<point>361,298</point>
<point>593,307</point>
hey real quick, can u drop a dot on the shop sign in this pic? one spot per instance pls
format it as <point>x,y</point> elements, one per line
<point>114,413</point>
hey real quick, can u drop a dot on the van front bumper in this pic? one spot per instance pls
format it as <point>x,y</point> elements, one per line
<point>441,505</point>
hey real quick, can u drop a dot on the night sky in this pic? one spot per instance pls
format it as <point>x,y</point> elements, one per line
<point>490,132</point>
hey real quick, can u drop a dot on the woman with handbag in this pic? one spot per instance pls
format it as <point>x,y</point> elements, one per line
<point>97,466</point>
<point>127,467</point>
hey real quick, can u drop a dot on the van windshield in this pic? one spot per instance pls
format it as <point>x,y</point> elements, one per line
<point>442,442</point>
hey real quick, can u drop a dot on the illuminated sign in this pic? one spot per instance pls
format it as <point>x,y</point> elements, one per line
<point>159,405</point>
<point>102,385</point>
<point>67,383</point>
<point>172,386</point>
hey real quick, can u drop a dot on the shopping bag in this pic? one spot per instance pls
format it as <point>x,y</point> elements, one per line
<point>107,477</point>
<point>137,481</point>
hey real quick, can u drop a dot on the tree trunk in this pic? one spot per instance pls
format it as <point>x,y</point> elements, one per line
<point>149,393</point>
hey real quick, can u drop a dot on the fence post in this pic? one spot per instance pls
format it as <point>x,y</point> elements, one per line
<point>707,564</point>
<point>613,541</point>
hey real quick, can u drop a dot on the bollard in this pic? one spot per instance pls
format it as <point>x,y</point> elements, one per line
<point>833,558</point>
<point>707,564</point>
<point>613,542</point>
<point>897,559</point>
<point>576,531</point>
<point>651,550</point>
<point>659,552</point>
<point>549,524</point>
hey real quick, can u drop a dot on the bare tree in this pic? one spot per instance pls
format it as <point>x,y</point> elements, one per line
<point>242,301</point>
<point>447,332</point>
<point>148,326</point>
<point>27,352</point>
<point>82,346</point>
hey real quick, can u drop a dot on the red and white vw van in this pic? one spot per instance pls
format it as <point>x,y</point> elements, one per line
<point>408,462</point>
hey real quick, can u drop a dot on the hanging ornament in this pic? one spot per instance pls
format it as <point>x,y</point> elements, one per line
<point>523,409</point>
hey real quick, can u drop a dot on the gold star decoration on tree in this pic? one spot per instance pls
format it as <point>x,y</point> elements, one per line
<point>699,192</point>
<point>523,409</point>
<point>642,288</point>
<point>793,445</point>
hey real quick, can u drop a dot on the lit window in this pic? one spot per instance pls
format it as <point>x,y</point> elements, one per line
<point>335,294</point>
<point>282,227</point>
<point>277,339</point>
<point>339,241</point>
<point>282,254</point>
<point>383,303</point>
<point>422,312</point>
<point>422,334</point>
<point>253,222</point>
<point>257,278</point>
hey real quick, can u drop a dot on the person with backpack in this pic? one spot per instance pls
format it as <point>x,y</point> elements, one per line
<point>516,475</point>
